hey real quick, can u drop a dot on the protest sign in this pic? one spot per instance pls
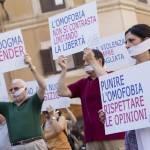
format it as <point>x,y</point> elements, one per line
<point>12,51</point>
<point>3,94</point>
<point>114,51</point>
<point>74,30</point>
<point>125,98</point>
<point>51,97</point>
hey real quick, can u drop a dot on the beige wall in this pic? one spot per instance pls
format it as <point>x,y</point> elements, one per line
<point>143,18</point>
<point>2,17</point>
<point>129,18</point>
<point>32,38</point>
<point>78,2</point>
<point>114,16</point>
<point>108,24</point>
<point>19,9</point>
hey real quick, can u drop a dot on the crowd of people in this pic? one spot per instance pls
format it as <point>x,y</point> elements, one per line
<point>22,117</point>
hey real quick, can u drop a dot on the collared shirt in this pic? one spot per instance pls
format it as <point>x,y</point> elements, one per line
<point>88,91</point>
<point>4,138</point>
<point>130,140</point>
<point>23,121</point>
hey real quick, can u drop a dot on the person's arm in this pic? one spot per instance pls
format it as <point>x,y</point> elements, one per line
<point>62,89</point>
<point>71,116</point>
<point>90,58</point>
<point>40,80</point>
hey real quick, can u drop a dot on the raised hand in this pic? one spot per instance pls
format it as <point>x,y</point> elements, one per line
<point>102,116</point>
<point>28,61</point>
<point>88,55</point>
<point>62,61</point>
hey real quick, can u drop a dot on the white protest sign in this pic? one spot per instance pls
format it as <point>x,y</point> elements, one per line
<point>3,94</point>
<point>115,53</point>
<point>12,51</point>
<point>74,30</point>
<point>51,97</point>
<point>125,98</point>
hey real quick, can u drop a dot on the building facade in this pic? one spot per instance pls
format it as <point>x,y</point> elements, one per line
<point>32,17</point>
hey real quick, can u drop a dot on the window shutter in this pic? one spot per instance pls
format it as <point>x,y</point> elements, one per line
<point>78,59</point>
<point>49,5</point>
<point>46,5</point>
<point>48,64</point>
<point>59,6</point>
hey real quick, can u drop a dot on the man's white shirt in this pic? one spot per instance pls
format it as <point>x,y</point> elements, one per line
<point>4,137</point>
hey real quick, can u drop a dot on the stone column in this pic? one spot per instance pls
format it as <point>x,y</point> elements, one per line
<point>116,16</point>
<point>69,3</point>
<point>36,7</point>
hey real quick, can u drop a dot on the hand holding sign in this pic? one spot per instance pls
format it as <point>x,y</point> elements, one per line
<point>62,61</point>
<point>52,113</point>
<point>88,55</point>
<point>102,116</point>
<point>50,109</point>
<point>28,61</point>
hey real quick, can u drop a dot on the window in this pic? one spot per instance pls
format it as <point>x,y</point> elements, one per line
<point>50,5</point>
<point>50,66</point>
<point>144,1</point>
<point>78,59</point>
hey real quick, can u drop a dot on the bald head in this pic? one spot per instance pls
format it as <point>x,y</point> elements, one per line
<point>21,82</point>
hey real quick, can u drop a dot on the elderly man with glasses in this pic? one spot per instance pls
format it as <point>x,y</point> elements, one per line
<point>23,114</point>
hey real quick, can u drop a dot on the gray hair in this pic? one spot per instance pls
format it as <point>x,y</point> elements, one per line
<point>23,83</point>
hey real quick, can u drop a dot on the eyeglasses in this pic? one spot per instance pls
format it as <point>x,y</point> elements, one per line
<point>14,89</point>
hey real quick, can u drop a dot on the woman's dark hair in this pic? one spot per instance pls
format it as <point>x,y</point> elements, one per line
<point>99,55</point>
<point>140,30</point>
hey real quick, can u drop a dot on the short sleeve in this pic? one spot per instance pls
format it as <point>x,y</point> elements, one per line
<point>36,102</point>
<point>75,88</point>
<point>3,108</point>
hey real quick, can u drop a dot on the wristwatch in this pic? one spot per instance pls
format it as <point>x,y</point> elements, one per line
<point>53,118</point>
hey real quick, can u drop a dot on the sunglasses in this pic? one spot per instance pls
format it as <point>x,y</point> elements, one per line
<point>14,89</point>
